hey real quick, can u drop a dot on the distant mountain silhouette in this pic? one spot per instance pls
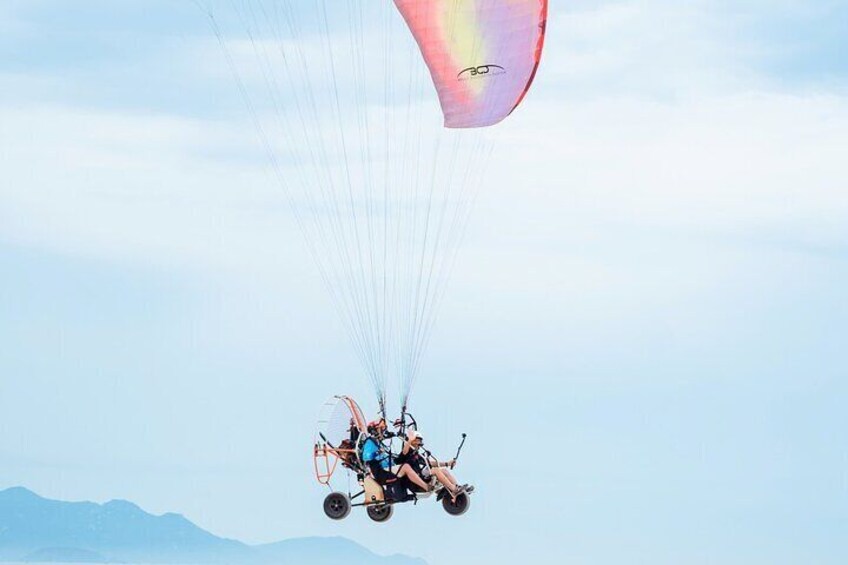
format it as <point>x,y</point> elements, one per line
<point>33,529</point>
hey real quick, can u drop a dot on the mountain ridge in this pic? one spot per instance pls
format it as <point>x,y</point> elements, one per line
<point>34,528</point>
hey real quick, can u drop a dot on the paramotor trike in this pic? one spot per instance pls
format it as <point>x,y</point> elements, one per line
<point>341,433</point>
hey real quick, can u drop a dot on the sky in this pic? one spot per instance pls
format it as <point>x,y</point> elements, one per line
<point>644,336</point>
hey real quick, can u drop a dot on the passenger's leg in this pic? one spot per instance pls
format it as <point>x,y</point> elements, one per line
<point>449,475</point>
<point>406,471</point>
<point>445,478</point>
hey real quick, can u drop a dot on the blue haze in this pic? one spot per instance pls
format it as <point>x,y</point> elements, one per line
<point>635,391</point>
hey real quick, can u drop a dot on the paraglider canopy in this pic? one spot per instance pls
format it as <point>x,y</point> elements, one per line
<point>482,55</point>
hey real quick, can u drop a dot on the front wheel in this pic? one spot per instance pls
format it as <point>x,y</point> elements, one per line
<point>380,513</point>
<point>456,507</point>
<point>337,506</point>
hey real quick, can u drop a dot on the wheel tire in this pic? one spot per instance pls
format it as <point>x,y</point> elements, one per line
<point>381,513</point>
<point>337,506</point>
<point>456,507</point>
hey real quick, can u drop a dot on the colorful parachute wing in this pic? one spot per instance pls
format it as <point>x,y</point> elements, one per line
<point>482,54</point>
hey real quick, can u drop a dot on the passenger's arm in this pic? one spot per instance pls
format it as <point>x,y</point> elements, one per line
<point>436,463</point>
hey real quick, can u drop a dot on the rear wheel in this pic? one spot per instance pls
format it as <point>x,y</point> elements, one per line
<point>337,506</point>
<point>456,507</point>
<point>381,513</point>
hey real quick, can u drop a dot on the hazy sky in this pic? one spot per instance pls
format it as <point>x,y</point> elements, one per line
<point>645,337</point>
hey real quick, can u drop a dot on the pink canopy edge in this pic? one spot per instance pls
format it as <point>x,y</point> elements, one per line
<point>480,86</point>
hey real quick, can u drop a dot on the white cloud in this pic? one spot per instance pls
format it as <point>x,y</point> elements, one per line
<point>148,188</point>
<point>719,162</point>
<point>730,164</point>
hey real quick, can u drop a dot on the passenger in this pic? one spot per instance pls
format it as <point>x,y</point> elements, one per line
<point>426,466</point>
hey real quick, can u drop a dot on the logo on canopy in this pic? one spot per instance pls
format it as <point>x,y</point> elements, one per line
<point>480,72</point>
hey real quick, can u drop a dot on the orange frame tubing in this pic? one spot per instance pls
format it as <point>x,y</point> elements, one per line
<point>325,458</point>
<point>325,453</point>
